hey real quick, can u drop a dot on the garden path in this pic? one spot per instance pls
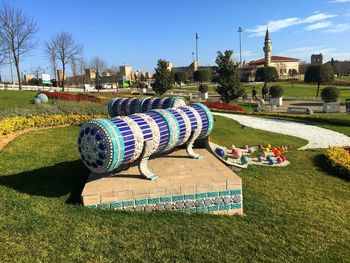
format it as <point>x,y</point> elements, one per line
<point>316,136</point>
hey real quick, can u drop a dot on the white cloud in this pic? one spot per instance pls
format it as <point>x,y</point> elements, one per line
<point>318,17</point>
<point>340,1</point>
<point>277,25</point>
<point>318,25</point>
<point>274,26</point>
<point>338,28</point>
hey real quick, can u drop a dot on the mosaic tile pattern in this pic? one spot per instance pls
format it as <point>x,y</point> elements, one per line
<point>105,145</point>
<point>199,202</point>
<point>127,106</point>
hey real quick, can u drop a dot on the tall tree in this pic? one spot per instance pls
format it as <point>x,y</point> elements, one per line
<point>65,47</point>
<point>50,53</point>
<point>292,74</point>
<point>266,74</point>
<point>319,74</point>
<point>229,86</point>
<point>3,56</point>
<point>98,65</point>
<point>74,66</point>
<point>162,77</point>
<point>180,77</point>
<point>17,32</point>
<point>82,66</point>
<point>201,75</point>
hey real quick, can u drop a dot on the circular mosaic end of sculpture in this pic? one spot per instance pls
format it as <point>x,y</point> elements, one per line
<point>99,146</point>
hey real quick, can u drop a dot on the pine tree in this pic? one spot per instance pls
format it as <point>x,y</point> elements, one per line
<point>162,78</point>
<point>228,77</point>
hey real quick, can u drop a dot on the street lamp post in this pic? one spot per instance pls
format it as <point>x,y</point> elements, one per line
<point>197,37</point>
<point>240,30</point>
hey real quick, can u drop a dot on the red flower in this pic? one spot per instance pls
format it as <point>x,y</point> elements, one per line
<point>223,106</point>
<point>72,97</point>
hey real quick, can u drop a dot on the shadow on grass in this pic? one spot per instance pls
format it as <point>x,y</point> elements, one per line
<point>52,181</point>
<point>320,160</point>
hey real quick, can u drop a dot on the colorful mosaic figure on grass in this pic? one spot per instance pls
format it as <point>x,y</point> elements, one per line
<point>108,145</point>
<point>127,106</point>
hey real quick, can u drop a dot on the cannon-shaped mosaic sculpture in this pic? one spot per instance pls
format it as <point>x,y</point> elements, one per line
<point>107,145</point>
<point>127,106</point>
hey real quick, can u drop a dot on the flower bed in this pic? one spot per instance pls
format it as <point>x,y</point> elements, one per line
<point>223,106</point>
<point>11,124</point>
<point>72,97</point>
<point>339,159</point>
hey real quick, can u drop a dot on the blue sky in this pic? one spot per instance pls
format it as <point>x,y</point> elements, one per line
<point>138,33</point>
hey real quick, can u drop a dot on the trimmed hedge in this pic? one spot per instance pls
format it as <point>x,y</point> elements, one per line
<point>330,94</point>
<point>12,124</point>
<point>276,91</point>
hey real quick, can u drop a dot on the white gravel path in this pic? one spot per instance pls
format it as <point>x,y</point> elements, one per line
<point>318,137</point>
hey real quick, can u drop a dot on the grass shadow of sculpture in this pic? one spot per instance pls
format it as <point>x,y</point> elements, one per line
<point>51,181</point>
<point>320,160</point>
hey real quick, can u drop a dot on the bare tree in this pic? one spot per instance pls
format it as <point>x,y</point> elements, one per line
<point>74,63</point>
<point>65,48</point>
<point>17,31</point>
<point>3,56</point>
<point>37,72</point>
<point>98,65</point>
<point>51,55</point>
<point>82,66</point>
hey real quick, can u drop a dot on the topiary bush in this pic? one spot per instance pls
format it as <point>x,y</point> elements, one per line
<point>330,94</point>
<point>203,88</point>
<point>276,91</point>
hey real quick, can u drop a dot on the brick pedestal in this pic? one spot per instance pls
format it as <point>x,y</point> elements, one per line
<point>185,184</point>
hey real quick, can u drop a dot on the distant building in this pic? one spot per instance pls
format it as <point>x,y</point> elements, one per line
<point>126,72</point>
<point>169,65</point>
<point>60,76</point>
<point>148,75</point>
<point>317,59</point>
<point>191,68</point>
<point>106,74</point>
<point>28,77</point>
<point>282,64</point>
<point>90,75</point>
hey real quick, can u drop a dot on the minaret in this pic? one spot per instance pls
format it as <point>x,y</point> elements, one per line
<point>267,49</point>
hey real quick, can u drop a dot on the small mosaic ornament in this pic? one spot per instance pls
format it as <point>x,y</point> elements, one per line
<point>43,97</point>
<point>244,159</point>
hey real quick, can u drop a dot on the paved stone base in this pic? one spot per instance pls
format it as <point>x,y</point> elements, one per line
<point>204,185</point>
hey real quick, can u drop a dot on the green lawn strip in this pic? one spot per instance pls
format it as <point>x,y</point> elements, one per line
<point>16,99</point>
<point>297,90</point>
<point>298,214</point>
<point>227,132</point>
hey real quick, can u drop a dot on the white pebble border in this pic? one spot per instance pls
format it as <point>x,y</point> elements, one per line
<point>316,136</point>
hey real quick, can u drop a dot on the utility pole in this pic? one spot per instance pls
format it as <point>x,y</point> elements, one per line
<point>197,37</point>
<point>240,30</point>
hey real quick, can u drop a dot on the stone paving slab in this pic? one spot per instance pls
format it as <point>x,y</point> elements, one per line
<point>204,185</point>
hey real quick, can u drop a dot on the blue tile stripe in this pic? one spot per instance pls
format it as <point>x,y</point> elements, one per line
<point>198,202</point>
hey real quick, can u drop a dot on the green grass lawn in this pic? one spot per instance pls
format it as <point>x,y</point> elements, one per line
<point>295,91</point>
<point>298,90</point>
<point>16,99</point>
<point>294,214</point>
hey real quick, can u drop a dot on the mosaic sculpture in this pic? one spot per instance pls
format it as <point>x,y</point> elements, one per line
<point>108,145</point>
<point>40,98</point>
<point>127,106</point>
